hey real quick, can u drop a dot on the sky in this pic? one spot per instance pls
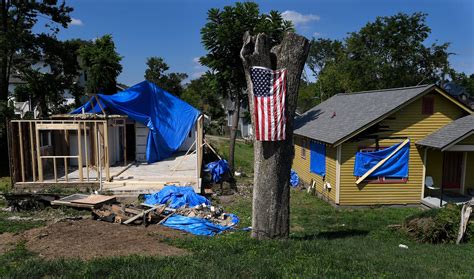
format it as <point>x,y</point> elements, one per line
<point>171,28</point>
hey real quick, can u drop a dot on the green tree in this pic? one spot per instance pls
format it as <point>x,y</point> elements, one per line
<point>19,44</point>
<point>156,73</point>
<point>101,63</point>
<point>48,80</point>
<point>462,79</point>
<point>201,93</point>
<point>389,52</point>
<point>222,37</point>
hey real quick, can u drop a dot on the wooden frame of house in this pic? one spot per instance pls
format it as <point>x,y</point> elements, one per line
<point>373,120</point>
<point>90,151</point>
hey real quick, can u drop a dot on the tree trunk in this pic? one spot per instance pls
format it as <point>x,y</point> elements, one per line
<point>233,133</point>
<point>272,163</point>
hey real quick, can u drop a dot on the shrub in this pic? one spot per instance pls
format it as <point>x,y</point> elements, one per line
<point>437,225</point>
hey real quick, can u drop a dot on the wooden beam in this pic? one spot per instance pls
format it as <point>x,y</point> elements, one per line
<point>79,148</point>
<point>106,151</point>
<point>423,179</point>
<point>100,105</point>
<point>381,162</point>
<point>57,126</point>
<point>125,144</point>
<point>65,169</point>
<point>55,170</point>
<point>86,150</point>
<point>22,159</point>
<point>38,154</point>
<point>32,150</point>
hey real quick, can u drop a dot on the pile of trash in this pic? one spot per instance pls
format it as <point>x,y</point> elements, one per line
<point>191,212</point>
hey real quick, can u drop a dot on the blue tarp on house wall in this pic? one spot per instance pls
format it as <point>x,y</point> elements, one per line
<point>317,162</point>
<point>169,118</point>
<point>396,166</point>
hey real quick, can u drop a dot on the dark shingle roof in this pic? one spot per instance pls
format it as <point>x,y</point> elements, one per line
<point>450,133</point>
<point>346,113</point>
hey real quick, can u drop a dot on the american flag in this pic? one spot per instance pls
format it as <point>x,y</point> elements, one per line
<point>269,94</point>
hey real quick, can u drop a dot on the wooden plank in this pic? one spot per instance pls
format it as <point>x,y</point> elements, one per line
<point>100,105</point>
<point>38,155</point>
<point>141,214</point>
<point>59,156</point>
<point>22,159</point>
<point>65,170</point>
<point>57,126</point>
<point>33,162</point>
<point>125,144</point>
<point>96,146</point>
<point>95,199</point>
<point>79,148</point>
<point>55,170</point>
<point>381,162</point>
<point>87,151</point>
<point>106,147</point>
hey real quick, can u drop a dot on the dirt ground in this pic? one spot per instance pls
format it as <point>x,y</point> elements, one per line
<point>88,239</point>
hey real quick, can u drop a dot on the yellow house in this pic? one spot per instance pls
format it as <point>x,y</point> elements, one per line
<point>421,119</point>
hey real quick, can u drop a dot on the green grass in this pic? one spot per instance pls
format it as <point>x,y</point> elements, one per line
<point>5,184</point>
<point>324,242</point>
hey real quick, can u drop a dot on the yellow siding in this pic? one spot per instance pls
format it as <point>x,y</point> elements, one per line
<point>469,182</point>
<point>301,166</point>
<point>407,122</point>
<point>467,141</point>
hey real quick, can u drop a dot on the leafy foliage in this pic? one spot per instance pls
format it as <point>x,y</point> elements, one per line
<point>170,82</point>
<point>48,80</point>
<point>387,53</point>
<point>437,225</point>
<point>201,93</point>
<point>222,37</point>
<point>102,66</point>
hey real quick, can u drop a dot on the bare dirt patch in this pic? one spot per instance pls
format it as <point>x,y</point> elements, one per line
<point>88,239</point>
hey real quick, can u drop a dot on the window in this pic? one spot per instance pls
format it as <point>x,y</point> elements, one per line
<point>303,148</point>
<point>381,179</point>
<point>427,105</point>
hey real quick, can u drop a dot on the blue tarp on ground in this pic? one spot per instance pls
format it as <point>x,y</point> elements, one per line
<point>217,169</point>
<point>176,196</point>
<point>198,226</point>
<point>317,163</point>
<point>169,118</point>
<point>396,166</point>
<point>294,179</point>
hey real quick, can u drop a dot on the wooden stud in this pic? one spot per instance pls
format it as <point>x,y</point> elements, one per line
<point>79,147</point>
<point>381,162</point>
<point>55,170</point>
<point>65,170</point>
<point>32,150</point>
<point>38,155</point>
<point>106,147</point>
<point>86,150</point>
<point>22,159</point>
<point>125,144</point>
<point>96,148</point>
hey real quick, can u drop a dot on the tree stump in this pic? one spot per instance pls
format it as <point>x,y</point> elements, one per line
<point>273,159</point>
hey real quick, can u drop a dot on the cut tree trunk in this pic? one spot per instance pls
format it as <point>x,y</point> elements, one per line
<point>272,163</point>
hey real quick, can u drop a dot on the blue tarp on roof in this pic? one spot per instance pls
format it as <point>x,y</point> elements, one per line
<point>396,166</point>
<point>169,118</point>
